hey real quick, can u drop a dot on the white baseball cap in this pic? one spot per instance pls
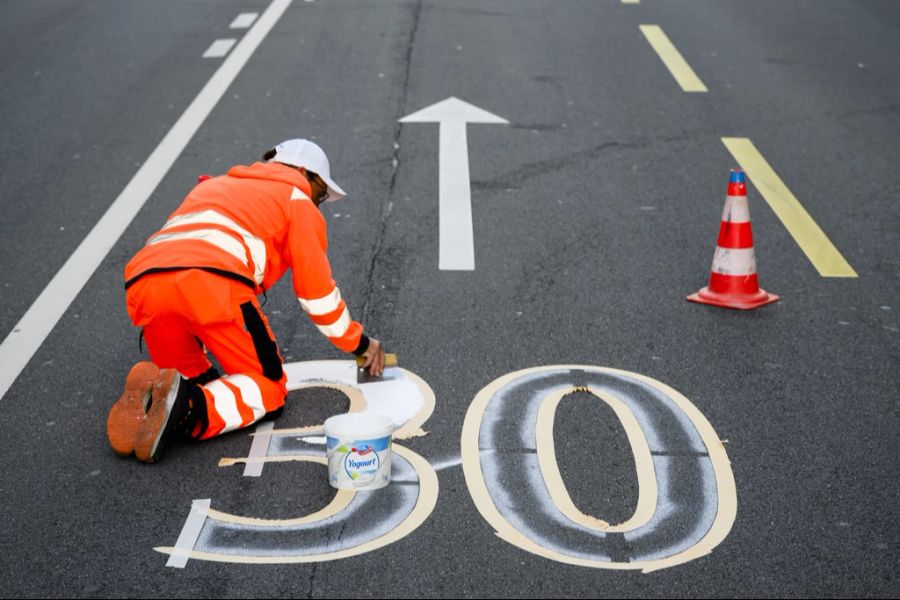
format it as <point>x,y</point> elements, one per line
<point>307,154</point>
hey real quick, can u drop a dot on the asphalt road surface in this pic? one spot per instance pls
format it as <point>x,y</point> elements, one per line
<point>733,453</point>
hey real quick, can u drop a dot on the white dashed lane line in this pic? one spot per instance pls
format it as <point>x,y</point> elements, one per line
<point>243,21</point>
<point>219,48</point>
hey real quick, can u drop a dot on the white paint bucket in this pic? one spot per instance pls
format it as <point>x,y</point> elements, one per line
<point>359,451</point>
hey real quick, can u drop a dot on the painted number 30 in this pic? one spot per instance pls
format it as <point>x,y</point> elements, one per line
<point>686,505</point>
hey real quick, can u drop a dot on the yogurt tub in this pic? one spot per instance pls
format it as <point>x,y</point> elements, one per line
<point>358,447</point>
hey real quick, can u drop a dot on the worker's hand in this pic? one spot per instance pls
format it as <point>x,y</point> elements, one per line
<point>374,356</point>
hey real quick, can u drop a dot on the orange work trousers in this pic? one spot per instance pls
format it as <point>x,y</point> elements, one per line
<point>186,313</point>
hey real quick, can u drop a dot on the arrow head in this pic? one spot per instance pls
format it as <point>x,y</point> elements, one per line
<point>453,109</point>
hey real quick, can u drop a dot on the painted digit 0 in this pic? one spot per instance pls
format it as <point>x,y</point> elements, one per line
<point>400,508</point>
<point>677,519</point>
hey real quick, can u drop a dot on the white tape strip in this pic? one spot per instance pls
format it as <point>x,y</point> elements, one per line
<point>259,449</point>
<point>189,534</point>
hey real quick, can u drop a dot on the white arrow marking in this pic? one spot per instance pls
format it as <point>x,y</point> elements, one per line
<point>456,245</point>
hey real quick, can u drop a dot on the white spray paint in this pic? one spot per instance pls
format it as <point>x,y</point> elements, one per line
<point>397,399</point>
<point>438,466</point>
<point>530,514</point>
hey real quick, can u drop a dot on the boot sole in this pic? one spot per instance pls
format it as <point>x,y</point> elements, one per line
<point>127,414</point>
<point>153,426</point>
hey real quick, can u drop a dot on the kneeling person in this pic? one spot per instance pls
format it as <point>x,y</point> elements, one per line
<point>193,288</point>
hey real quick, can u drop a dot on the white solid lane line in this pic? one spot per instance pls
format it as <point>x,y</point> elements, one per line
<point>219,48</point>
<point>40,319</point>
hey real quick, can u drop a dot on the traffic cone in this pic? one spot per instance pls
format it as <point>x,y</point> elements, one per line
<point>733,282</point>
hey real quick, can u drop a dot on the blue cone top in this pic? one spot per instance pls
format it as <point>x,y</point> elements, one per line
<point>737,176</point>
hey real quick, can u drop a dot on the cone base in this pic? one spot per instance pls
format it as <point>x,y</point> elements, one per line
<point>737,301</point>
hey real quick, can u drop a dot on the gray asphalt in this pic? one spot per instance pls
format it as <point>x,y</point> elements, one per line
<point>595,214</point>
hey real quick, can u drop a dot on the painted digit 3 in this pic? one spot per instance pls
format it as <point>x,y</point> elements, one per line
<point>391,513</point>
<point>687,499</point>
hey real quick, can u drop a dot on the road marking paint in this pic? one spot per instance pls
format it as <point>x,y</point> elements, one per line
<point>827,260</point>
<point>301,539</point>
<point>189,534</point>
<point>408,400</point>
<point>457,245</point>
<point>631,1</point>
<point>243,21</point>
<point>437,466</point>
<point>447,464</point>
<point>682,443</point>
<point>671,57</point>
<point>413,509</point>
<point>456,239</point>
<point>219,48</point>
<point>46,311</point>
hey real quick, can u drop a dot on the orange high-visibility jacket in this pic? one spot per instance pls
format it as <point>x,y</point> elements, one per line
<point>253,224</point>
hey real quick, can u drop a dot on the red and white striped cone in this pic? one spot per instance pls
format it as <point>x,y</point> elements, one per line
<point>733,282</point>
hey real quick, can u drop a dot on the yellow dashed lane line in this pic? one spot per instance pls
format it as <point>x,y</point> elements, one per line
<point>671,57</point>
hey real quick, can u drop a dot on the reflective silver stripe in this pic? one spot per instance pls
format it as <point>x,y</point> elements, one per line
<point>736,210</point>
<point>215,237</point>
<point>338,328</point>
<point>250,394</point>
<point>257,246</point>
<point>225,404</point>
<point>734,261</point>
<point>323,305</point>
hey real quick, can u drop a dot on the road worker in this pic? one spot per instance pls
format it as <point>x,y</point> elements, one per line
<point>193,288</point>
